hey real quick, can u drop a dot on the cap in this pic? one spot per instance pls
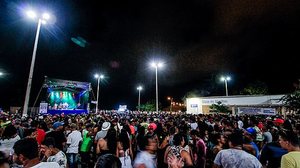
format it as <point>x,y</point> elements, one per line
<point>104,130</point>
<point>251,130</point>
<point>105,126</point>
<point>57,124</point>
<point>152,126</point>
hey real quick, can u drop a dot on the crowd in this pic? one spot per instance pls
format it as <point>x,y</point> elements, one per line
<point>139,140</point>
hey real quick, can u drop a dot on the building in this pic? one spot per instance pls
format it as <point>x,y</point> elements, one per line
<point>237,104</point>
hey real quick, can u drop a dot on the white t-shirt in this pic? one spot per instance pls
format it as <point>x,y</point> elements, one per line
<point>6,145</point>
<point>234,158</point>
<point>46,165</point>
<point>59,158</point>
<point>194,125</point>
<point>145,158</point>
<point>73,139</point>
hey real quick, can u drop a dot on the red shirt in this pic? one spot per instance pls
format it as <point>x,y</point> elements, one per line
<point>40,135</point>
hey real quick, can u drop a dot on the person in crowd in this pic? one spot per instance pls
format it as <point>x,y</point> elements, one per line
<point>108,144</point>
<point>163,143</point>
<point>178,150</point>
<point>85,147</point>
<point>58,134</point>
<point>73,140</point>
<point>102,133</point>
<point>151,130</point>
<point>219,140</point>
<point>26,153</point>
<point>52,153</point>
<point>193,123</point>
<point>20,129</point>
<point>38,133</point>
<point>8,139</point>
<point>271,154</point>
<point>249,144</point>
<point>173,130</point>
<point>108,161</point>
<point>289,140</point>
<point>141,133</point>
<point>235,156</point>
<point>4,161</point>
<point>199,147</point>
<point>258,140</point>
<point>267,136</point>
<point>124,150</point>
<point>146,158</point>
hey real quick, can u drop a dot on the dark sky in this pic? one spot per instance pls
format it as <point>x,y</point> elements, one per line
<point>199,40</point>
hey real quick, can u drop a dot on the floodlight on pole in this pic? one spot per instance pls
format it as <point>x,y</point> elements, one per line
<point>139,99</point>
<point>31,14</point>
<point>225,79</point>
<point>156,65</point>
<point>98,77</point>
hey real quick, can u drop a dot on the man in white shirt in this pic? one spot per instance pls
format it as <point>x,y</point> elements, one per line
<point>73,141</point>
<point>235,157</point>
<point>26,153</point>
<point>52,153</point>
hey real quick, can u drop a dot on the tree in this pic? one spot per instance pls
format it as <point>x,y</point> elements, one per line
<point>255,88</point>
<point>292,101</point>
<point>148,106</point>
<point>219,108</point>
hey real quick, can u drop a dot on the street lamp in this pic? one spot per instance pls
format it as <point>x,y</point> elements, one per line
<point>98,77</point>
<point>139,100</point>
<point>41,20</point>
<point>225,79</point>
<point>1,73</point>
<point>156,65</point>
<point>171,101</point>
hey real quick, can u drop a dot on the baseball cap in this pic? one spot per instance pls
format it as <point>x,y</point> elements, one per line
<point>251,131</point>
<point>152,126</point>
<point>57,124</point>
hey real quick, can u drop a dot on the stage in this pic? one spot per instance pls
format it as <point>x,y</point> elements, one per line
<point>65,96</point>
<point>68,111</point>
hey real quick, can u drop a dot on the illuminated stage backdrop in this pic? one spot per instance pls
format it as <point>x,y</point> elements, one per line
<point>66,96</point>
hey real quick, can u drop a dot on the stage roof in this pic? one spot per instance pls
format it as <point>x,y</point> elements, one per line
<point>60,83</point>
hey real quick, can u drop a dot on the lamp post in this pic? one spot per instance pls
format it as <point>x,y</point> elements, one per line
<point>41,20</point>
<point>139,99</point>
<point>171,102</point>
<point>156,65</point>
<point>225,79</point>
<point>98,77</point>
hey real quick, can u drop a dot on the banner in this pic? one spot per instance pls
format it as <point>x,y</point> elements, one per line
<point>256,111</point>
<point>55,83</point>
<point>43,108</point>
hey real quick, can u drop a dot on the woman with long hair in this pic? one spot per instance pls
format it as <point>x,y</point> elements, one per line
<point>124,149</point>
<point>108,144</point>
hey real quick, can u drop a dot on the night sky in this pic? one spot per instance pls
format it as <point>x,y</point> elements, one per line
<point>198,40</point>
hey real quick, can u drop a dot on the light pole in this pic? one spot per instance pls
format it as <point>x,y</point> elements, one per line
<point>171,101</point>
<point>225,79</point>
<point>41,20</point>
<point>156,65</point>
<point>139,100</point>
<point>98,77</point>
